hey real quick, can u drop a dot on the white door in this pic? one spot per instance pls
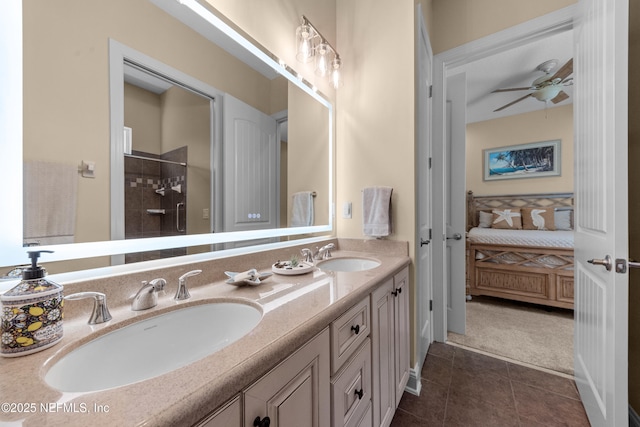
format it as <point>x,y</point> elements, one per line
<point>250,152</point>
<point>455,210</point>
<point>601,222</point>
<point>424,249</point>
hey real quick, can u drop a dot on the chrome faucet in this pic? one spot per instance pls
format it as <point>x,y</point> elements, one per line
<point>100,313</point>
<point>183,293</point>
<point>147,296</point>
<point>324,252</point>
<point>307,255</point>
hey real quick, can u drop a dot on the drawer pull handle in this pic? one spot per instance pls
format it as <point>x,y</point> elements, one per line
<point>265,422</point>
<point>356,329</point>
<point>359,393</point>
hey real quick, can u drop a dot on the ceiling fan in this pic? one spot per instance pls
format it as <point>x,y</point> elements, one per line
<point>546,88</point>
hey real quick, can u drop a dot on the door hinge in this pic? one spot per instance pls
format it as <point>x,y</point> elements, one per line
<point>430,91</point>
<point>430,305</point>
<point>430,161</point>
<point>430,233</point>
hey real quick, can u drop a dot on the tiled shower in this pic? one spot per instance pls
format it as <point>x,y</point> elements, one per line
<point>155,199</point>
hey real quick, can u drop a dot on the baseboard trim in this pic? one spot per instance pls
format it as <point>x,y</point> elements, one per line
<point>414,385</point>
<point>634,419</point>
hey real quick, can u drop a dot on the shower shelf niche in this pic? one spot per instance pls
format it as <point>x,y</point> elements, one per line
<point>156,211</point>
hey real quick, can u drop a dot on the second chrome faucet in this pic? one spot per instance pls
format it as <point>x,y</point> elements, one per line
<point>147,295</point>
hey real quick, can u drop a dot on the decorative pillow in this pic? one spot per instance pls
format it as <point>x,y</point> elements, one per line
<point>485,219</point>
<point>562,220</point>
<point>538,219</point>
<point>507,218</point>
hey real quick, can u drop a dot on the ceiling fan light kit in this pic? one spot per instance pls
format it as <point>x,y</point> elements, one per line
<point>546,88</point>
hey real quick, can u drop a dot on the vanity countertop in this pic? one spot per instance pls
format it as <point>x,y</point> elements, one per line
<point>295,308</point>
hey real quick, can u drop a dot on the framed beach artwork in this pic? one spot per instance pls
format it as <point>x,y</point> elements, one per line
<point>533,160</point>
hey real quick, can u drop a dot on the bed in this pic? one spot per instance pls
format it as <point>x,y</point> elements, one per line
<point>533,263</point>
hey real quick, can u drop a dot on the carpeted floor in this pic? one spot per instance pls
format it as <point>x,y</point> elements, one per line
<point>523,332</point>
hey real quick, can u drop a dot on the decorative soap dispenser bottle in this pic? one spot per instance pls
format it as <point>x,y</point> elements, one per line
<point>31,318</point>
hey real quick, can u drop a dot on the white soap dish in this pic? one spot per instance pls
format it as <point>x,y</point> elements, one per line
<point>285,268</point>
<point>251,281</point>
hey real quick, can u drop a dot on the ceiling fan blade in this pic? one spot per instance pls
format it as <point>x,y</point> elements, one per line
<point>564,71</point>
<point>560,97</point>
<point>511,89</point>
<point>513,102</point>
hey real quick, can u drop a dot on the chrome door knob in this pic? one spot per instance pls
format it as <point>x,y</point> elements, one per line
<point>606,262</point>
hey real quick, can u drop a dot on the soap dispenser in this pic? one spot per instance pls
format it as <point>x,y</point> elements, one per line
<point>31,318</point>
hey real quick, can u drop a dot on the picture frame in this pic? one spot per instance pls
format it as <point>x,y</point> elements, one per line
<point>531,160</point>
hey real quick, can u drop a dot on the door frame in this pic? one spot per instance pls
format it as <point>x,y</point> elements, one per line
<point>444,64</point>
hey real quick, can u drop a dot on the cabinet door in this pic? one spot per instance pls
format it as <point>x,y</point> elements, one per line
<point>229,415</point>
<point>383,345</point>
<point>401,295</point>
<point>295,393</point>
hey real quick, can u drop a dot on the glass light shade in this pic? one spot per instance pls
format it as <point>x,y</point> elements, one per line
<point>547,93</point>
<point>304,43</point>
<point>323,53</point>
<point>336,78</point>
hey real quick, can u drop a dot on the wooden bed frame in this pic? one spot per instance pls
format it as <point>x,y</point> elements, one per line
<point>526,277</point>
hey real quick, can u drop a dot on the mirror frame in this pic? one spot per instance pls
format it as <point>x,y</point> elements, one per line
<point>12,251</point>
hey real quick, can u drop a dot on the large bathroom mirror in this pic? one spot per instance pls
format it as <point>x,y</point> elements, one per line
<point>76,55</point>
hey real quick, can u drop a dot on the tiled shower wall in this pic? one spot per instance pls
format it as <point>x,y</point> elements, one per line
<point>142,179</point>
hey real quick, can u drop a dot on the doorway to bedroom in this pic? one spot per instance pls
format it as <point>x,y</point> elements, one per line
<point>530,330</point>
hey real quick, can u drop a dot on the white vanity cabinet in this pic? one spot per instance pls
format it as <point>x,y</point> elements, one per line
<point>352,374</point>
<point>390,346</point>
<point>296,392</point>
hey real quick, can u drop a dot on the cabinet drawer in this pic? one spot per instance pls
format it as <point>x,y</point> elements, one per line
<point>367,417</point>
<point>348,332</point>
<point>351,389</point>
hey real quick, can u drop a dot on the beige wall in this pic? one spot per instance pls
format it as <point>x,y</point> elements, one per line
<point>634,206</point>
<point>308,136</point>
<point>143,114</point>
<point>554,123</point>
<point>461,21</point>
<point>186,120</point>
<point>273,23</point>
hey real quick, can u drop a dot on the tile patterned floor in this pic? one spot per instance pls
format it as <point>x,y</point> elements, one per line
<point>464,388</point>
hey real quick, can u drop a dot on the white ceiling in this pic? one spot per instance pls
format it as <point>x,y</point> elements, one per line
<point>510,69</point>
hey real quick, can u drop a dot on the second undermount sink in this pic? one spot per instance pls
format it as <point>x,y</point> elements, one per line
<point>152,347</point>
<point>348,264</point>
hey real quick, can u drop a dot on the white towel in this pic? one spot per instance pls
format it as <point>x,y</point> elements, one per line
<point>376,211</point>
<point>302,209</point>
<point>50,202</point>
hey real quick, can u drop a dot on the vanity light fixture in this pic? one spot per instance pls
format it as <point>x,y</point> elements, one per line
<point>312,46</point>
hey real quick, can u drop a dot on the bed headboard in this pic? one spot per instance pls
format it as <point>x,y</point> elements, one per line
<point>476,204</point>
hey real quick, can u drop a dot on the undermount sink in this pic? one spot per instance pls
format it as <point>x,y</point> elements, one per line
<point>348,264</point>
<point>152,347</point>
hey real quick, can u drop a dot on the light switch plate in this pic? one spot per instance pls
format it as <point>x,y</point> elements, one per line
<point>346,210</point>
